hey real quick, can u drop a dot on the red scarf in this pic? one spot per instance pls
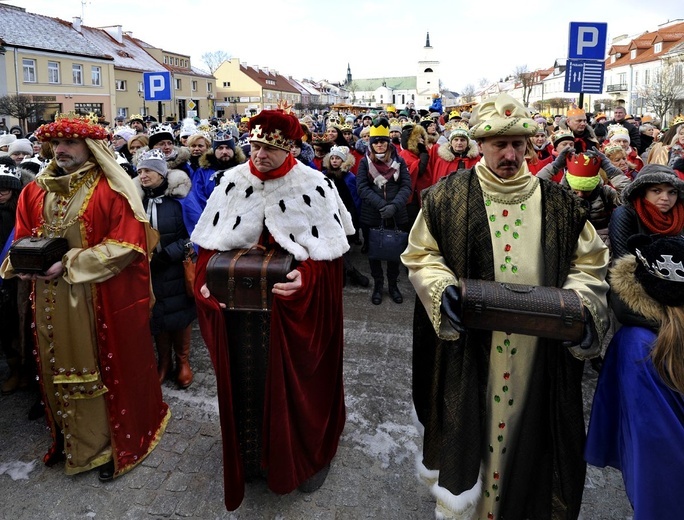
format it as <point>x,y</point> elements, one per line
<point>670,223</point>
<point>289,163</point>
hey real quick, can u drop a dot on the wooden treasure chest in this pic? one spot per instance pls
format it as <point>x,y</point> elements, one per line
<point>35,255</point>
<point>546,312</point>
<point>243,279</point>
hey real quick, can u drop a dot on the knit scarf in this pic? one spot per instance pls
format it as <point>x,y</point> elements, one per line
<point>670,223</point>
<point>289,163</point>
<point>380,172</point>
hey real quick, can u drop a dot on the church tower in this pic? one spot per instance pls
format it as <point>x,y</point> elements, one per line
<point>427,78</point>
<point>349,76</point>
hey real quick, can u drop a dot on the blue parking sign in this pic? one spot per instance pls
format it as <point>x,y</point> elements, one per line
<point>157,86</point>
<point>588,40</point>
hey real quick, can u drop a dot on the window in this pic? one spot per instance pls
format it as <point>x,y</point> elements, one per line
<point>120,84</point>
<point>658,47</point>
<point>226,83</point>
<point>77,73</point>
<point>53,72</point>
<point>87,108</point>
<point>178,84</point>
<point>141,87</point>
<point>210,88</point>
<point>647,77</point>
<point>166,60</point>
<point>176,61</point>
<point>194,86</point>
<point>29,70</point>
<point>122,111</point>
<point>270,82</point>
<point>632,54</point>
<point>636,78</point>
<point>96,76</point>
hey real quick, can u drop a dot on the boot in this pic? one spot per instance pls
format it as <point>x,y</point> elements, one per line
<point>181,346</point>
<point>376,297</point>
<point>356,277</point>
<point>11,384</point>
<point>394,292</point>
<point>163,342</point>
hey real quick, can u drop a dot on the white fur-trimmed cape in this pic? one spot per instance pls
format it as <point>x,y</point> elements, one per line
<point>302,210</point>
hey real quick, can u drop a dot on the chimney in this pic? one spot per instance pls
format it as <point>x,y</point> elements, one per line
<point>115,32</point>
<point>77,23</point>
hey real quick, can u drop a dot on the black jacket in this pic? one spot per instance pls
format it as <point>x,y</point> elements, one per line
<point>373,198</point>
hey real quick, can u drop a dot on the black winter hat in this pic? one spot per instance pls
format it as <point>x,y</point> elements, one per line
<point>10,179</point>
<point>660,267</point>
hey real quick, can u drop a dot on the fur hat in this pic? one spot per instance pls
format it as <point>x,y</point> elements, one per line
<point>275,128</point>
<point>501,115</point>
<point>20,145</point>
<point>154,160</point>
<point>649,175</point>
<point>10,179</point>
<point>221,138</point>
<point>160,133</point>
<point>660,268</point>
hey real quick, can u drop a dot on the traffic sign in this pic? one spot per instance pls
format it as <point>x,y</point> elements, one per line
<point>157,86</point>
<point>191,104</point>
<point>588,40</point>
<point>584,76</point>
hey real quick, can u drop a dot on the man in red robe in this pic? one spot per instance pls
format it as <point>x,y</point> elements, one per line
<point>279,373</point>
<point>91,309</point>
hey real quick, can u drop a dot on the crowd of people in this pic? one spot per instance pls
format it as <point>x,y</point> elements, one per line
<point>498,194</point>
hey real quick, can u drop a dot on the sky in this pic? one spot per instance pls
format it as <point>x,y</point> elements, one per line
<point>317,39</point>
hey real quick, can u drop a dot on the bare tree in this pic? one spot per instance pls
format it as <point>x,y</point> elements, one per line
<point>352,88</point>
<point>468,94</point>
<point>22,107</point>
<point>214,59</point>
<point>526,80</point>
<point>483,82</point>
<point>559,103</point>
<point>665,90</point>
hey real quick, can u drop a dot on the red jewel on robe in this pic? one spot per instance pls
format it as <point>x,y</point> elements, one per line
<point>507,248</point>
<point>505,213</point>
<point>507,375</point>
<point>496,475</point>
<point>507,112</point>
<point>502,425</point>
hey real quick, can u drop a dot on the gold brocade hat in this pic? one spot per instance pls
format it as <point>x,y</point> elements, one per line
<point>501,115</point>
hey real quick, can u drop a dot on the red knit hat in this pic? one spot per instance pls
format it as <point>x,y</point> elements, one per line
<point>583,171</point>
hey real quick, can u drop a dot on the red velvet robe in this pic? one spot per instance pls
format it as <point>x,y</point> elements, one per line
<point>137,414</point>
<point>304,410</point>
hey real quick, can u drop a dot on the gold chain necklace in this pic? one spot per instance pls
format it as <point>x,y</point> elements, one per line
<point>58,225</point>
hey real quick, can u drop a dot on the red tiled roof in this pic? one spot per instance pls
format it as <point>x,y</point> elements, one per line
<point>644,44</point>
<point>260,76</point>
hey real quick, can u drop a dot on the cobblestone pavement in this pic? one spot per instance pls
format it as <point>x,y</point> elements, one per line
<point>372,476</point>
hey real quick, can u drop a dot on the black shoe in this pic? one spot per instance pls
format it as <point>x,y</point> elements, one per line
<point>106,471</point>
<point>376,297</point>
<point>395,294</point>
<point>312,484</point>
<point>357,278</point>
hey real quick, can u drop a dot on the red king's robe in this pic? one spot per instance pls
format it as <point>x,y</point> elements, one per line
<point>137,414</point>
<point>304,412</point>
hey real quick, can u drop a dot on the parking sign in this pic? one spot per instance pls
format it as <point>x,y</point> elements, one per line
<point>157,86</point>
<point>588,40</point>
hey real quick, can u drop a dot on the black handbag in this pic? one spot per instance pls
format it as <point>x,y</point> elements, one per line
<point>386,243</point>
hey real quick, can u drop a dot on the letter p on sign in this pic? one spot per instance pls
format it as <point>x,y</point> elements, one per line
<point>157,86</point>
<point>587,40</point>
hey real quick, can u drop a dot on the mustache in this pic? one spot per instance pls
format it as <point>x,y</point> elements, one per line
<point>505,164</point>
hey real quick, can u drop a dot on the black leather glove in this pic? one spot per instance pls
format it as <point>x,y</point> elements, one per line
<point>451,306</point>
<point>388,211</point>
<point>559,162</point>
<point>589,333</point>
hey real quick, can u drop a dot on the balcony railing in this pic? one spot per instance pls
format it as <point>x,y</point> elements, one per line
<point>617,87</point>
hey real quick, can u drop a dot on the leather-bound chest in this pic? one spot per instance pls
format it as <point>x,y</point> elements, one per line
<point>35,255</point>
<point>546,312</point>
<point>243,279</point>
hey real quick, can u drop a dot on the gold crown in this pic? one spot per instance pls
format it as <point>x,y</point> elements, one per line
<point>677,120</point>
<point>346,128</point>
<point>133,117</point>
<point>563,134</point>
<point>380,128</point>
<point>617,129</point>
<point>613,148</point>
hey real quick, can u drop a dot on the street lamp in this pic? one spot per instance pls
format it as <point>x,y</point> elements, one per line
<point>141,94</point>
